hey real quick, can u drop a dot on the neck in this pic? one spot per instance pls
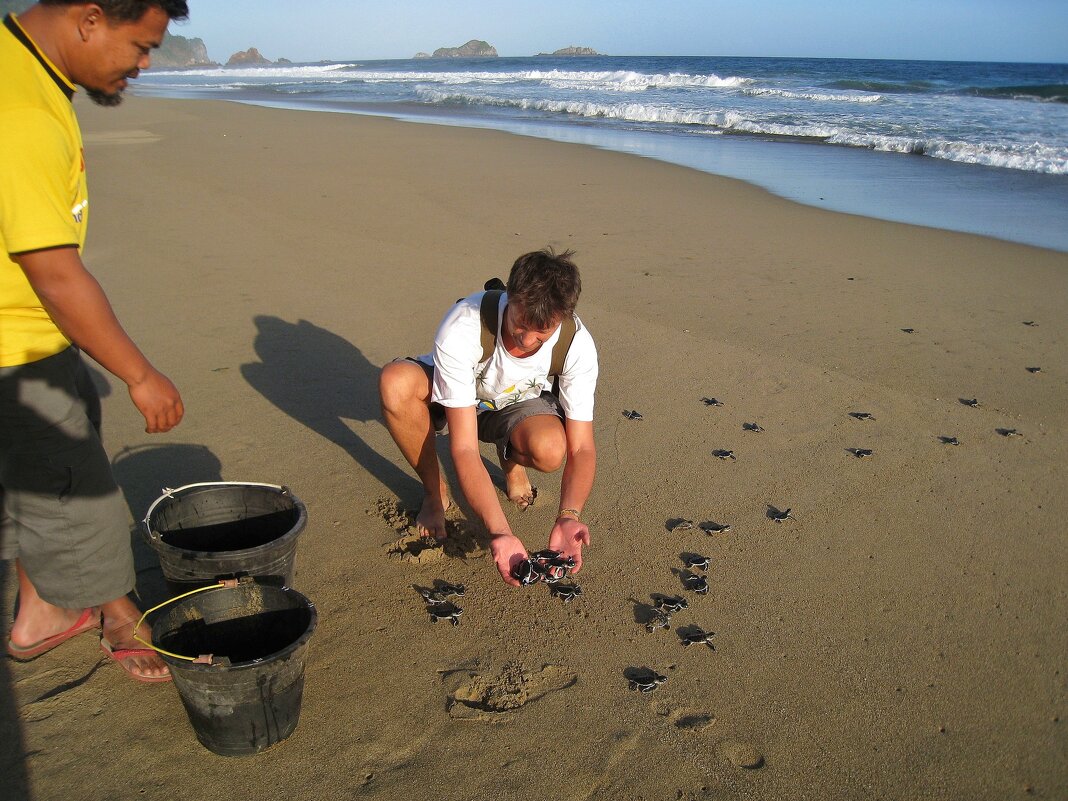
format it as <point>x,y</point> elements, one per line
<point>47,27</point>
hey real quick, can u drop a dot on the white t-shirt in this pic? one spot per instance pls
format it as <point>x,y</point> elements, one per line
<point>461,380</point>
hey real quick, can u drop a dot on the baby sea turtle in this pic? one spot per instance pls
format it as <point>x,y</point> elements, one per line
<point>645,680</point>
<point>909,330</point>
<point>1030,323</point>
<point>526,572</point>
<point>722,454</point>
<point>679,524</point>
<point>1008,432</point>
<point>862,415</point>
<point>860,453</point>
<point>660,620</point>
<point>973,402</point>
<point>695,560</point>
<point>670,603</point>
<point>433,597</point>
<point>698,637</point>
<point>1034,369</point>
<point>752,427</point>
<point>949,440</point>
<point>778,516</point>
<point>711,527</point>
<point>711,402</point>
<point>694,583</point>
<point>447,611</point>
<point>552,565</point>
<point>565,592</point>
<point>633,414</point>
<point>448,588</point>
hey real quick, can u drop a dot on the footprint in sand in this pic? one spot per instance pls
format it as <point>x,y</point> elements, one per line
<point>741,754</point>
<point>495,696</point>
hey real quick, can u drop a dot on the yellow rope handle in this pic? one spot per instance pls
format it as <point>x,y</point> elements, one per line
<point>226,583</point>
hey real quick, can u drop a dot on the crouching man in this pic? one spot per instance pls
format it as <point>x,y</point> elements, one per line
<point>516,368</point>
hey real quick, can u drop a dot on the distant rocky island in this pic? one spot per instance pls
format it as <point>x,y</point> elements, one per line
<point>476,48</point>
<point>177,51</point>
<point>572,51</point>
<point>247,58</point>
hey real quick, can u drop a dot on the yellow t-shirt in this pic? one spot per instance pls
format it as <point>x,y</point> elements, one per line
<point>43,195</point>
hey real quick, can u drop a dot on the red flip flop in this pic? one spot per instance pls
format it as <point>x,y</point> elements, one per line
<point>119,654</point>
<point>87,622</point>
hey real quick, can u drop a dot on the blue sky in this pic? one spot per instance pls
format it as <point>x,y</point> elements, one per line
<point>311,30</point>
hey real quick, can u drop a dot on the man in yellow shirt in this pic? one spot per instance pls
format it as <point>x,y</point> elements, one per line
<point>62,518</point>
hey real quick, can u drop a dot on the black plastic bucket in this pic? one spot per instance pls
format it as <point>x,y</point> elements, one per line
<point>205,532</point>
<point>249,697</point>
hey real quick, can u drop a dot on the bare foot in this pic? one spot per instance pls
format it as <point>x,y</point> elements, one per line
<point>519,489</point>
<point>118,642</point>
<point>430,522</point>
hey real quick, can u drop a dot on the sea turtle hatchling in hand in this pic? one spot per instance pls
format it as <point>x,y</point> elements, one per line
<point>447,611</point>
<point>645,680</point>
<point>697,637</point>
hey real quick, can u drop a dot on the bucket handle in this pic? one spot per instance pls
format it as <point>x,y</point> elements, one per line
<point>203,659</point>
<point>169,492</point>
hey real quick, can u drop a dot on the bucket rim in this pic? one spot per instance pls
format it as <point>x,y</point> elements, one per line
<point>248,664</point>
<point>155,539</point>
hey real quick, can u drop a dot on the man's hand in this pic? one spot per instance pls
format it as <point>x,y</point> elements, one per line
<point>568,536</point>
<point>158,400</point>
<point>508,551</point>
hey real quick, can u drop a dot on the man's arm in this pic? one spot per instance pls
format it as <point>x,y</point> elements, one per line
<point>478,489</point>
<point>569,534</point>
<point>80,308</point>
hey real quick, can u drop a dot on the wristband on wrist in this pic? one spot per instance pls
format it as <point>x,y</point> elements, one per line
<point>572,513</point>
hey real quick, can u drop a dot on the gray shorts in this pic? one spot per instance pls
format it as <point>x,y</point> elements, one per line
<point>496,427</point>
<point>61,514</point>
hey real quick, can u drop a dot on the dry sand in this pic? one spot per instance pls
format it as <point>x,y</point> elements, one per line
<point>904,637</point>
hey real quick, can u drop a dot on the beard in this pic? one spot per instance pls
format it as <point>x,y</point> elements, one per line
<point>106,99</point>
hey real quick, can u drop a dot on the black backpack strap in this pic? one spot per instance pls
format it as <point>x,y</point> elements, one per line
<point>489,312</point>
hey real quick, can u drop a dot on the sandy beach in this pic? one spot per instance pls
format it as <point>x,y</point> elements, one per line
<point>902,637</point>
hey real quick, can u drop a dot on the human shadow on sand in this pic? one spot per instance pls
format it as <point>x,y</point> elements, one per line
<point>15,782</point>
<point>322,380</point>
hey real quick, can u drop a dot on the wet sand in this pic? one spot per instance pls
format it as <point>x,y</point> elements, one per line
<point>901,637</point>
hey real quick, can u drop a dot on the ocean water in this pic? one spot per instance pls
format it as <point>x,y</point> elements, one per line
<point>977,147</point>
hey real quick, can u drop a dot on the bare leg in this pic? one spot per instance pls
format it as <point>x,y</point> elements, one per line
<point>37,619</point>
<point>538,442</point>
<point>405,391</point>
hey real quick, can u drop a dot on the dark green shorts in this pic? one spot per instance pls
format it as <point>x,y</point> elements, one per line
<point>496,426</point>
<point>61,514</point>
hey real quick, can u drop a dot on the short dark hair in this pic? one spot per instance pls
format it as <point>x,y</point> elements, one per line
<point>129,10</point>
<point>546,284</point>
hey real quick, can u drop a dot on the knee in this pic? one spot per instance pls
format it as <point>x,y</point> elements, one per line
<point>548,450</point>
<point>397,386</point>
